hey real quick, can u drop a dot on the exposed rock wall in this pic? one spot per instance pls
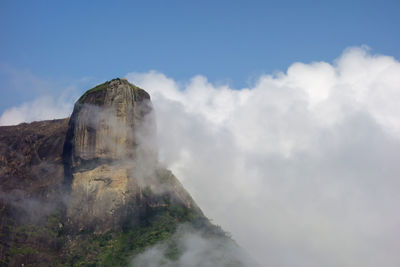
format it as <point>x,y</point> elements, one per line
<point>111,158</point>
<point>31,156</point>
<point>104,122</point>
<point>64,181</point>
<point>100,153</point>
<point>101,163</point>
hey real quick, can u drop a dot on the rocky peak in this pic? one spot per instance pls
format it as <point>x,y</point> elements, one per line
<point>111,157</point>
<point>105,93</point>
<point>100,151</point>
<point>111,181</point>
<point>104,120</point>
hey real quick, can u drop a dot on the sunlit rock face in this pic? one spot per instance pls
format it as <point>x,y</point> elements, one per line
<point>111,131</point>
<point>105,119</point>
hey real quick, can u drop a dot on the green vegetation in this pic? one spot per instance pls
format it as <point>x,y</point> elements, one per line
<point>102,87</point>
<point>117,248</point>
<point>50,243</point>
<point>97,88</point>
<point>23,250</point>
<point>31,241</point>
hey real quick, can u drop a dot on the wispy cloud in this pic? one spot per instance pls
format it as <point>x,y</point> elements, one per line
<point>196,250</point>
<point>42,108</point>
<point>42,99</point>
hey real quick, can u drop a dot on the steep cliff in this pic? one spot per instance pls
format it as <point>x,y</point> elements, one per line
<point>111,158</point>
<point>89,191</point>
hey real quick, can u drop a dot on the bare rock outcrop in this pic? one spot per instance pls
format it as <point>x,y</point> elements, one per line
<point>104,121</point>
<point>65,183</point>
<point>31,157</point>
<point>111,158</point>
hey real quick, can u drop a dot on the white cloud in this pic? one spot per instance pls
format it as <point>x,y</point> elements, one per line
<point>42,108</point>
<point>46,99</point>
<point>302,168</point>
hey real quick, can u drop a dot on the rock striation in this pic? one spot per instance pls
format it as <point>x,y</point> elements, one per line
<point>104,120</point>
<point>111,158</point>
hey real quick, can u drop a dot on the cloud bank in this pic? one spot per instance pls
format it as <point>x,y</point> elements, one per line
<point>302,167</point>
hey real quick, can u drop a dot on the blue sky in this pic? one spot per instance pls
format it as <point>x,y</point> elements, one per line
<point>61,42</point>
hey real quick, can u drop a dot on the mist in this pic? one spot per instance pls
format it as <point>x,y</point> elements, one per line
<point>301,167</point>
<point>196,250</point>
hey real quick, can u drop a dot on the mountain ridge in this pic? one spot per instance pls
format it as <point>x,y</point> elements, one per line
<point>88,190</point>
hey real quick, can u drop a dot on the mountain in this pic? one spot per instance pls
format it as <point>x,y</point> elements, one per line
<point>89,191</point>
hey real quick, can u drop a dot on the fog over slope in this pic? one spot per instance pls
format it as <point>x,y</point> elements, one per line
<point>301,167</point>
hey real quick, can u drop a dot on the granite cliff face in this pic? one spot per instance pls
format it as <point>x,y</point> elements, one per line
<point>104,121</point>
<point>111,158</point>
<point>88,190</point>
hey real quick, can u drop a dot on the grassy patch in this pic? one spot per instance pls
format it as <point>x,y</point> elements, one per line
<point>97,88</point>
<point>103,86</point>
